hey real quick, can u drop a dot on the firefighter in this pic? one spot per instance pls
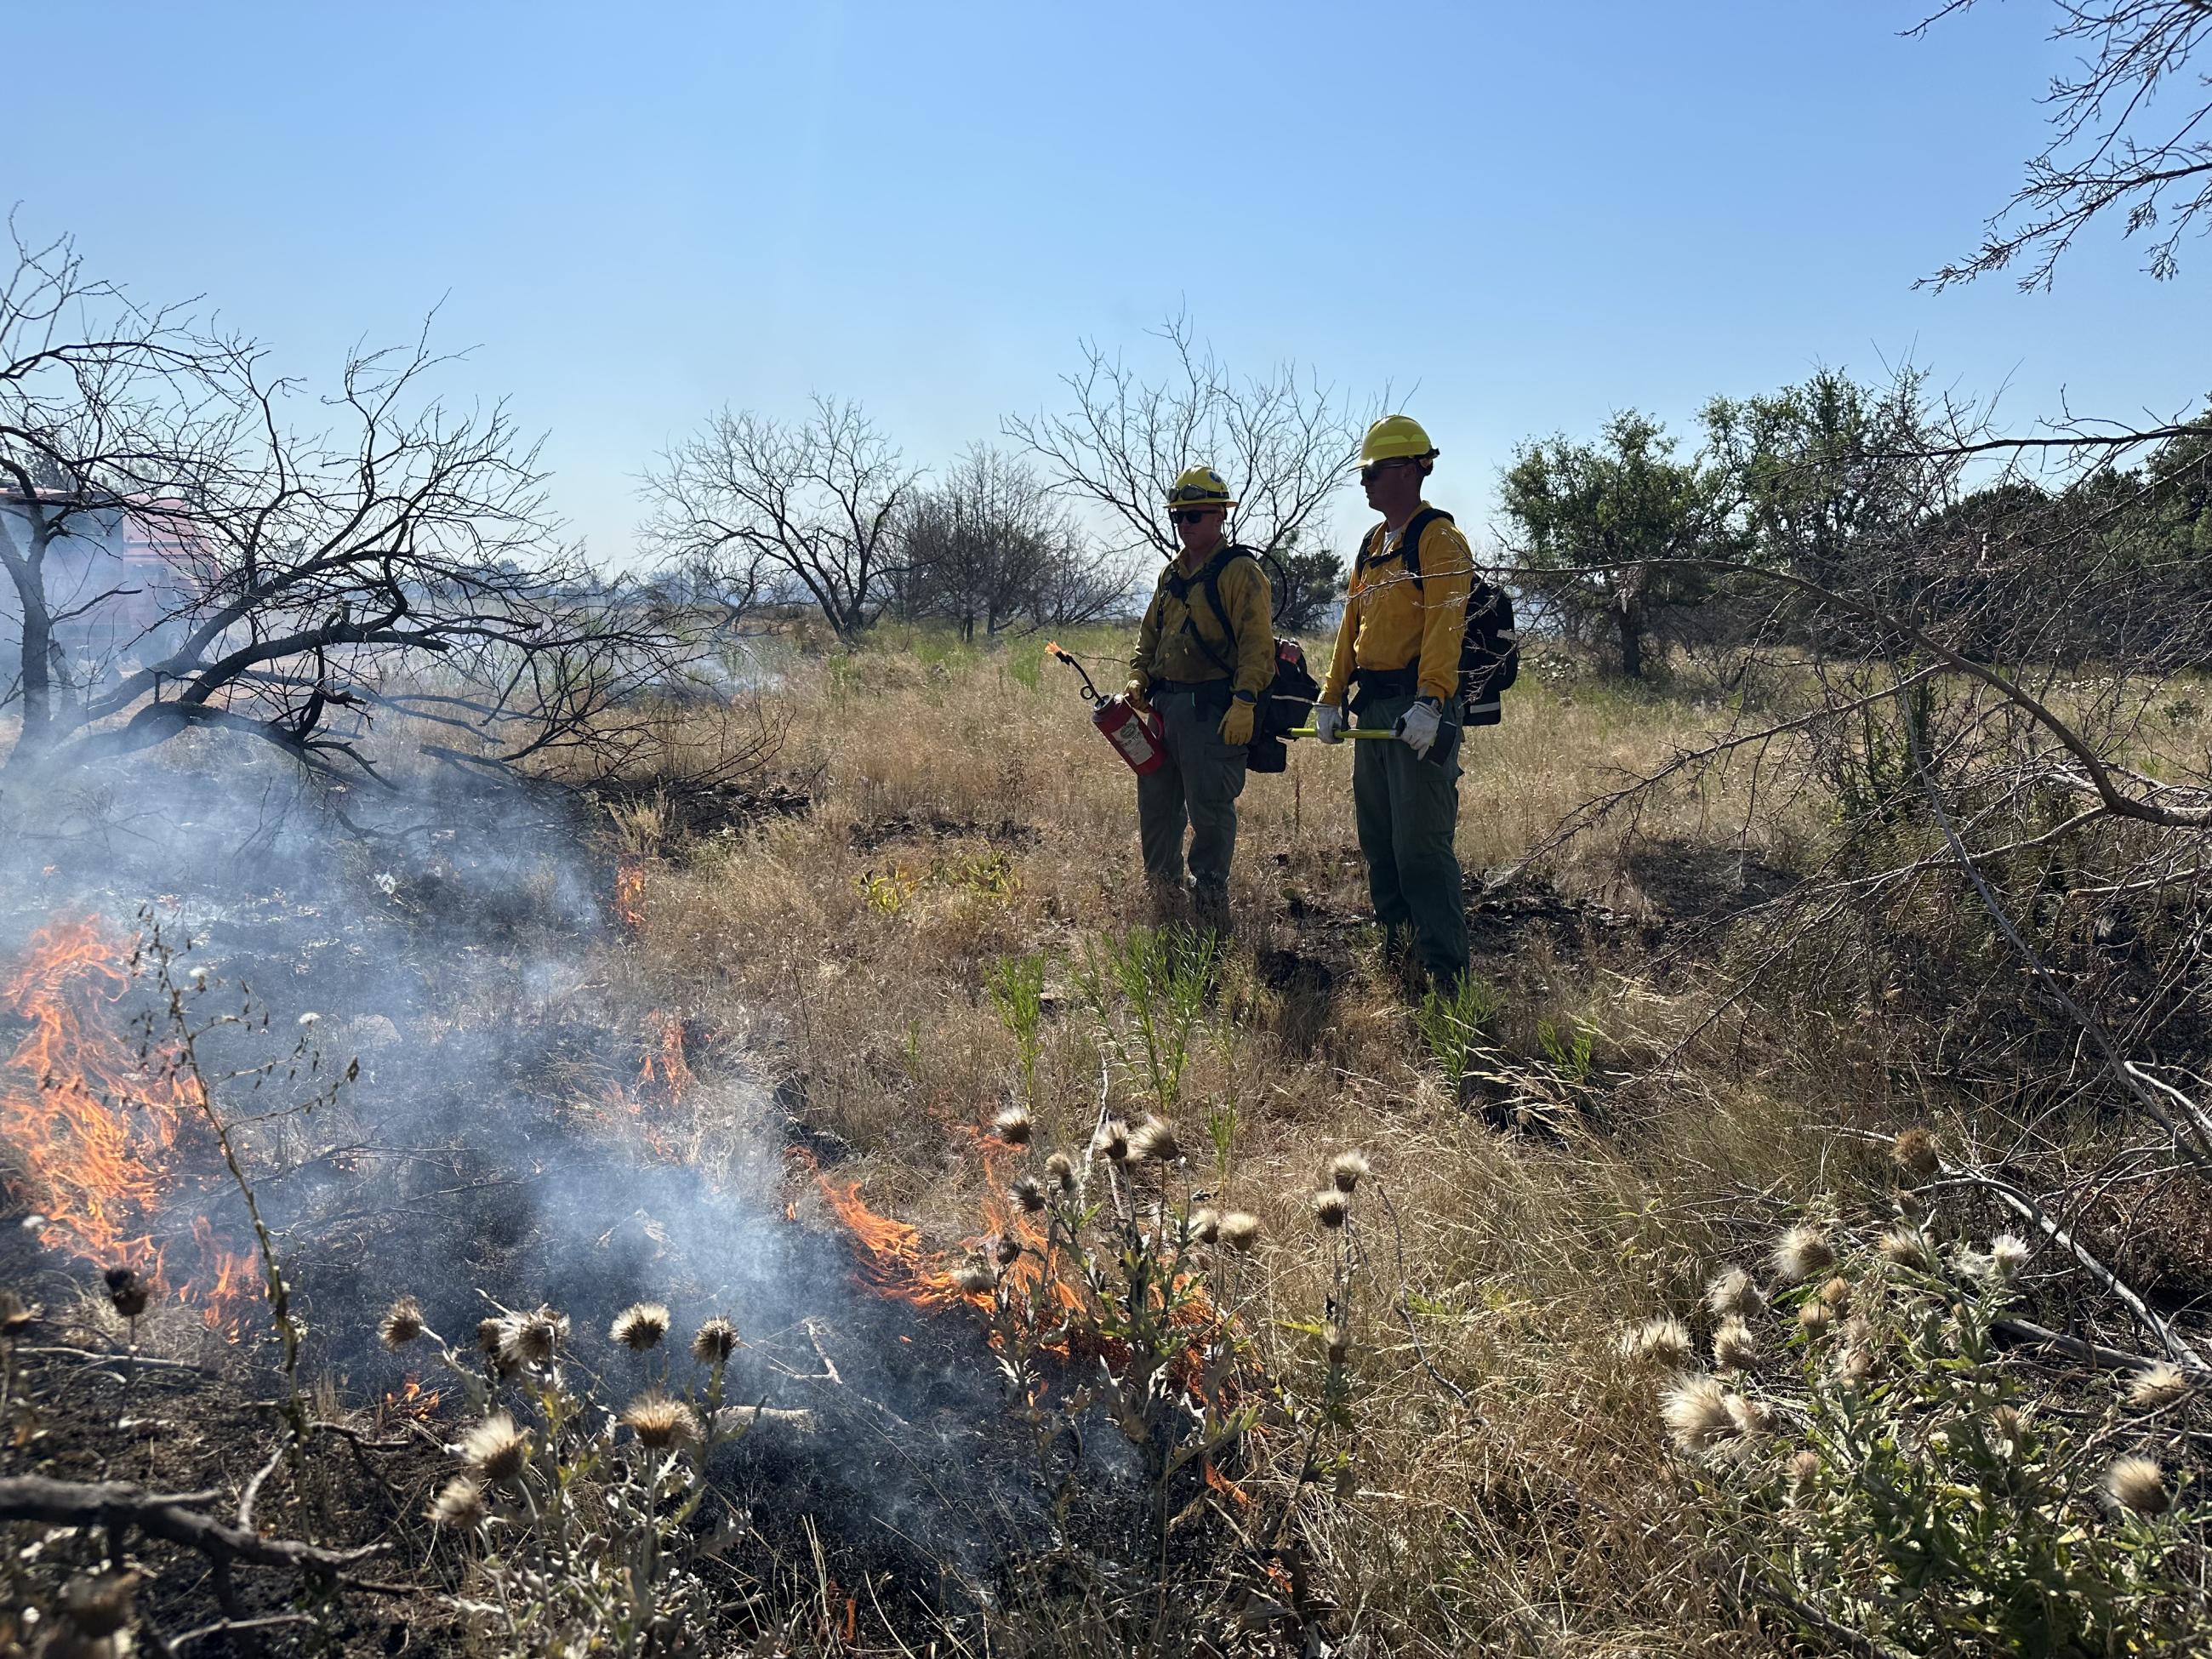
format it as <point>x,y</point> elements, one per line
<point>1398,655</point>
<point>1204,654</point>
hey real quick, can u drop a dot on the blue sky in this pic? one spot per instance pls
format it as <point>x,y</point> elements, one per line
<point>1537,213</point>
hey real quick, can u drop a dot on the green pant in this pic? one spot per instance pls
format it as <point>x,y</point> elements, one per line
<point>1407,809</point>
<point>1199,785</point>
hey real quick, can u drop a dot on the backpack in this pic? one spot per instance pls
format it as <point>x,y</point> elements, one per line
<point>1489,649</point>
<point>1288,700</point>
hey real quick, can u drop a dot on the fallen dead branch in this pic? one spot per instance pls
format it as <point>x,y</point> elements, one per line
<point>171,1516</point>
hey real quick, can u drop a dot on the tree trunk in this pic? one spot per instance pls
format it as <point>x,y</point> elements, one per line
<point>1631,638</point>
<point>36,636</point>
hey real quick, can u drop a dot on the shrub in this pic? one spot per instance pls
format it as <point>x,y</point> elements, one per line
<point>1904,1485</point>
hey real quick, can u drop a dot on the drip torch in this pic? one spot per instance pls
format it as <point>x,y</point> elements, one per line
<point>1139,739</point>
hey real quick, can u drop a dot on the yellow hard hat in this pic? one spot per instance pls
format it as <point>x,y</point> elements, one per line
<point>1395,437</point>
<point>1200,487</point>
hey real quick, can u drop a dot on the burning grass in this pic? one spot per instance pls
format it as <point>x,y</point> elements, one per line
<point>106,1138</point>
<point>1090,1281</point>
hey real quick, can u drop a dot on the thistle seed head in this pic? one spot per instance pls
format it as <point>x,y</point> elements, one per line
<point>641,1326</point>
<point>1837,1293</point>
<point>1804,1470</point>
<point>1908,1247</point>
<point>533,1338</point>
<point>1696,1412</point>
<point>1336,1341</point>
<point>1014,1125</point>
<point>659,1422</point>
<point>977,1278</point>
<point>1060,1168</point>
<point>1154,1142</point>
<point>1008,1249</point>
<point>1732,1292</point>
<point>1814,1318</point>
<point>401,1324</point>
<point>1803,1252</point>
<point>1661,1342</point>
<point>1346,1171</point>
<point>496,1449</point>
<point>716,1342</point>
<point>1753,1418</point>
<point>1240,1230</point>
<point>1967,1262</point>
<point>1113,1140</point>
<point>2138,1484</point>
<point>2157,1385</point>
<point>127,1291</point>
<point>1026,1193</point>
<point>1205,1226</point>
<point>16,1318</point>
<point>1329,1209</point>
<point>459,1503</point>
<point>2007,1255</point>
<point>1735,1348</point>
<point>1855,1365</point>
<point>491,1336</point>
<point>1915,1154</point>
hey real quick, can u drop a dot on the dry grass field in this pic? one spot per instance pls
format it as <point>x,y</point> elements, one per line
<point>1641,1319</point>
<point>1508,1488</point>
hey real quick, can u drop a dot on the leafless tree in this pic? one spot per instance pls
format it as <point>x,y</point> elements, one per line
<point>180,555</point>
<point>990,544</point>
<point>1284,442</point>
<point>2116,145</point>
<point>804,511</point>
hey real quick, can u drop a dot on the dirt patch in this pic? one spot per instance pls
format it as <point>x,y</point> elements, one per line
<point>697,811</point>
<point>1705,885</point>
<point>1503,922</point>
<point>876,833</point>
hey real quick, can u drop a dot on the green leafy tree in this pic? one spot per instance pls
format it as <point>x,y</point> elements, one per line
<point>1594,517</point>
<point>1824,472</point>
<point>1307,583</point>
<point>2179,475</point>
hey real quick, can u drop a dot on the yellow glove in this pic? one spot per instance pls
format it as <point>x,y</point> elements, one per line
<point>1133,694</point>
<point>1236,724</point>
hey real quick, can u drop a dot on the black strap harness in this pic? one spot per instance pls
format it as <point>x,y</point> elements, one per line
<point>1490,649</point>
<point>1208,576</point>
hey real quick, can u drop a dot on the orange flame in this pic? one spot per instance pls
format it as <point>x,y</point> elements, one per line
<point>665,1068</point>
<point>413,1401</point>
<point>898,1264</point>
<point>91,1124</point>
<point>664,1077</point>
<point>630,894</point>
<point>1222,1484</point>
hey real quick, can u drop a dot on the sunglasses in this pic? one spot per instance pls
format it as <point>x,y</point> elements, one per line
<point>1370,473</point>
<point>1193,514</point>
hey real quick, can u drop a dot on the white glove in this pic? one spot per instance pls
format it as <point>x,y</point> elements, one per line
<point>1418,727</point>
<point>1328,721</point>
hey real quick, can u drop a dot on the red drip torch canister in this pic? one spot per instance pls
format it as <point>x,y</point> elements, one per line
<point>1139,739</point>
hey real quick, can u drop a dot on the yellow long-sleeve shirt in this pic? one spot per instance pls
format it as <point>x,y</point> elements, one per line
<point>1391,620</point>
<point>1166,651</point>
